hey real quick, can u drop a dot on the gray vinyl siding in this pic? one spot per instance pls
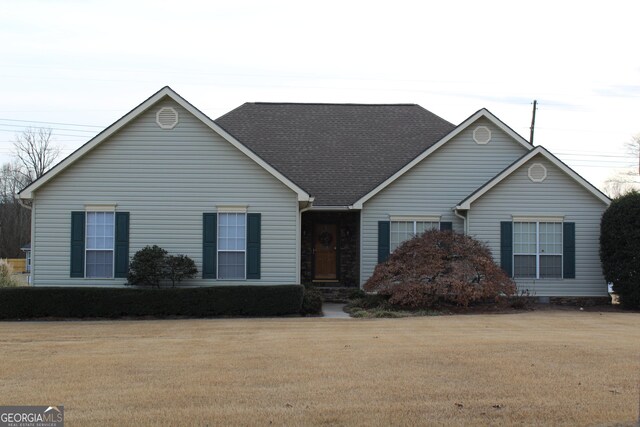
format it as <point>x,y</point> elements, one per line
<point>437,184</point>
<point>559,195</point>
<point>166,180</point>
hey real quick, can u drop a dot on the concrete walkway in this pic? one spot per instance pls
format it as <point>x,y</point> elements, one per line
<point>334,311</point>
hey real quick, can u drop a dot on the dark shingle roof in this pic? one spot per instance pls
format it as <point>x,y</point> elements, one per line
<point>335,152</point>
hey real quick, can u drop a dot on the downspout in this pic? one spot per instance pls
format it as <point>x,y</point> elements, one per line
<point>464,220</point>
<point>22,203</point>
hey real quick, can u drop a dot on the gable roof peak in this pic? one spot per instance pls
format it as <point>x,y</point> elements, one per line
<point>27,192</point>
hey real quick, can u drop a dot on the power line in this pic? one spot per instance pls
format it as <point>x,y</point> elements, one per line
<point>56,128</point>
<point>50,123</point>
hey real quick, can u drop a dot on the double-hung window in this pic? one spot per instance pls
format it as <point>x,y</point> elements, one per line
<point>403,229</point>
<point>537,249</point>
<point>99,247</point>
<point>232,244</point>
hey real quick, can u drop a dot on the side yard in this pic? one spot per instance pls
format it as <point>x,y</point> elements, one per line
<point>551,367</point>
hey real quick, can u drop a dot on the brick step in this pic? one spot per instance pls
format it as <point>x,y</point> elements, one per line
<point>335,293</point>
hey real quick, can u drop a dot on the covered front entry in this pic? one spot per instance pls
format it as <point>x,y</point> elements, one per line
<point>330,248</point>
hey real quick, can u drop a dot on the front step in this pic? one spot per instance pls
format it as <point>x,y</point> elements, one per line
<point>335,293</point>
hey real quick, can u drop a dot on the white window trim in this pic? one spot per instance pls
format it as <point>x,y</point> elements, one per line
<point>223,209</point>
<point>232,208</point>
<point>537,218</point>
<point>537,254</point>
<point>414,218</point>
<point>100,207</point>
<point>113,251</point>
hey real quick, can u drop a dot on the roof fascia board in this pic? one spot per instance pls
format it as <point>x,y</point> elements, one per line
<point>27,193</point>
<point>461,127</point>
<point>466,203</point>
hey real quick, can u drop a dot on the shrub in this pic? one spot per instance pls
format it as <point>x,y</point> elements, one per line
<point>30,302</point>
<point>523,300</point>
<point>6,279</point>
<point>311,301</point>
<point>147,268</point>
<point>620,247</point>
<point>440,267</point>
<point>151,264</point>
<point>179,267</point>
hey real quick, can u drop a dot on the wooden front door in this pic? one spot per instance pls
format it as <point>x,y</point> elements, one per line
<point>324,248</point>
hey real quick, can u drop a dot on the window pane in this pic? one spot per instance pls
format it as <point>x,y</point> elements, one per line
<point>422,226</point>
<point>550,266</point>
<point>231,265</point>
<point>100,264</point>
<point>524,237</point>
<point>231,232</point>
<point>400,231</point>
<point>100,230</point>
<point>551,238</point>
<point>524,266</point>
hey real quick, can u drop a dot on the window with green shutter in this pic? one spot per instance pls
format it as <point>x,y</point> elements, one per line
<point>231,245</point>
<point>99,244</point>
<point>536,249</point>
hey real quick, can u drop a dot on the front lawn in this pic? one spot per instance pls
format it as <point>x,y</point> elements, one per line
<point>547,367</point>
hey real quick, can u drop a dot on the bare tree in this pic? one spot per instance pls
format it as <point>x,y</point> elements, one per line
<point>626,180</point>
<point>633,149</point>
<point>35,152</point>
<point>15,219</point>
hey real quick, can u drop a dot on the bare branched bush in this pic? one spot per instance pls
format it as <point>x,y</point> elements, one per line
<point>440,267</point>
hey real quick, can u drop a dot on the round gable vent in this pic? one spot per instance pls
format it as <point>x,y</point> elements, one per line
<point>537,172</point>
<point>482,135</point>
<point>167,118</point>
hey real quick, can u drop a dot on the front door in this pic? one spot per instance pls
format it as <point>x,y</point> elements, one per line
<point>324,248</point>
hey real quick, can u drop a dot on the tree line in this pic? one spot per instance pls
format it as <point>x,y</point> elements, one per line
<point>34,152</point>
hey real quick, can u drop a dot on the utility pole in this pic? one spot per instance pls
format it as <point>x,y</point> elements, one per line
<point>533,121</point>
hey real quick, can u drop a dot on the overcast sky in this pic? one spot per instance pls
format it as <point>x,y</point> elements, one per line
<point>78,66</point>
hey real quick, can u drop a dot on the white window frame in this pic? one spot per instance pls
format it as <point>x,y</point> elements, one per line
<point>410,219</point>
<point>538,254</point>
<point>223,211</point>
<point>89,210</point>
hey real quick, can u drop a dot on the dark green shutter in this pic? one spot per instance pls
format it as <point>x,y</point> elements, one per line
<point>121,267</point>
<point>569,250</point>
<point>384,244</point>
<point>253,246</point>
<point>446,226</point>
<point>209,244</point>
<point>506,247</point>
<point>77,244</point>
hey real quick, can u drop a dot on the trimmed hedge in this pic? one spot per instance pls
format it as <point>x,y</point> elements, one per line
<point>26,303</point>
<point>311,302</point>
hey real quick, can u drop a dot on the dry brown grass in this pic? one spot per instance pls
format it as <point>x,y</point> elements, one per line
<point>552,367</point>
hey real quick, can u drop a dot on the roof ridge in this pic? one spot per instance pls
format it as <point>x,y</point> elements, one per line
<point>335,103</point>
